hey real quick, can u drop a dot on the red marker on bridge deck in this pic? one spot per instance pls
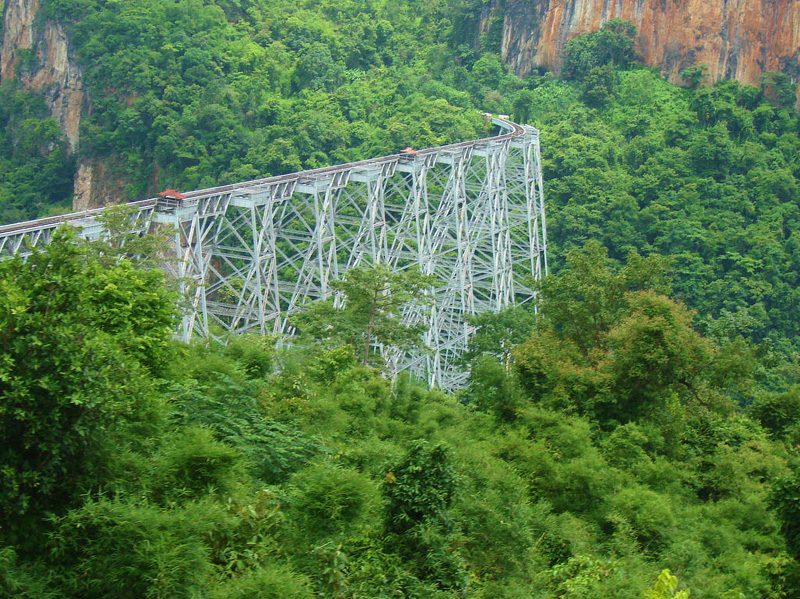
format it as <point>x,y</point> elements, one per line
<point>171,194</point>
<point>169,199</point>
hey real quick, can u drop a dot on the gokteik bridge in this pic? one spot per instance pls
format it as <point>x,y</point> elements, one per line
<point>249,255</point>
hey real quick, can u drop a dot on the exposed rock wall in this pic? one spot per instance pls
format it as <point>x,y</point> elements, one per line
<point>99,181</point>
<point>82,195</point>
<point>39,53</point>
<point>18,16</point>
<point>735,38</point>
<point>53,70</point>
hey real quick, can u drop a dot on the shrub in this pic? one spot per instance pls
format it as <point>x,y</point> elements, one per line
<point>272,581</point>
<point>192,464</point>
<point>329,499</point>
<point>127,549</point>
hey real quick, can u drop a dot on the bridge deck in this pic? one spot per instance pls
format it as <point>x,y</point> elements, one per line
<point>512,130</point>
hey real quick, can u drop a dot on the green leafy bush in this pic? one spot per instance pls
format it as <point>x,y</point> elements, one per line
<point>192,464</point>
<point>272,581</point>
<point>129,549</point>
<point>331,500</point>
<point>78,341</point>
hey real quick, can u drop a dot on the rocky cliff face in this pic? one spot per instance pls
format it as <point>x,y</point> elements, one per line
<point>735,38</point>
<point>40,54</point>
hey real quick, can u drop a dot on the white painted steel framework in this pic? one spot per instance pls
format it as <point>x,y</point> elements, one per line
<point>251,254</point>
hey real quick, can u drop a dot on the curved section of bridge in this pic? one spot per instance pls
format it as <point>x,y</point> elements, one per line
<point>250,254</point>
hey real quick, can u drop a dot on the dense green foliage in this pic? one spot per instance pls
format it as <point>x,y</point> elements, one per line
<point>193,94</point>
<point>612,46</point>
<point>35,169</point>
<point>614,441</point>
<point>78,342</point>
<point>187,93</point>
<point>708,177</point>
<point>374,299</point>
<point>609,453</point>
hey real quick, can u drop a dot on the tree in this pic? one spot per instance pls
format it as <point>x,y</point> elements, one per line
<point>779,88</point>
<point>613,45</point>
<point>124,240</point>
<point>588,296</point>
<point>610,344</point>
<point>488,70</point>
<point>524,103</point>
<point>777,413</point>
<point>653,354</point>
<point>498,332</point>
<point>786,501</point>
<point>419,491</point>
<point>711,151</point>
<point>36,168</point>
<point>694,75</point>
<point>665,588</point>
<point>600,86</point>
<point>374,300</point>
<point>77,339</point>
<point>317,70</point>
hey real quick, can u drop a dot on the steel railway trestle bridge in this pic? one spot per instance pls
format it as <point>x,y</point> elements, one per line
<point>252,253</point>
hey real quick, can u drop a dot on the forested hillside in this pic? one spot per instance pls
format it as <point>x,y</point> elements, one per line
<point>187,94</point>
<point>613,450</point>
<point>646,419</point>
<point>191,94</point>
<point>708,177</point>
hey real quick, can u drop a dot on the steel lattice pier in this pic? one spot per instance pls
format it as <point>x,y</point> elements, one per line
<point>251,254</point>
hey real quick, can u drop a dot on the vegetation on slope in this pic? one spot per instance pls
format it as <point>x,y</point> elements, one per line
<point>193,94</point>
<point>135,467</point>
<point>35,168</point>
<point>706,176</point>
<point>188,94</point>
<point>624,435</point>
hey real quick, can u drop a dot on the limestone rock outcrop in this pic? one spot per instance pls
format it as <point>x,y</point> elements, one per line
<point>739,39</point>
<point>41,55</point>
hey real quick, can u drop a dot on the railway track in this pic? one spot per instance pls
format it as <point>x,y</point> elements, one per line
<point>510,128</point>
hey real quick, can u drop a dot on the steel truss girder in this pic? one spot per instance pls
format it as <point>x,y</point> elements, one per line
<point>249,255</point>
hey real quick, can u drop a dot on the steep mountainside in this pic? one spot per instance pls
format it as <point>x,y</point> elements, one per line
<point>41,55</point>
<point>737,39</point>
<point>185,93</point>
